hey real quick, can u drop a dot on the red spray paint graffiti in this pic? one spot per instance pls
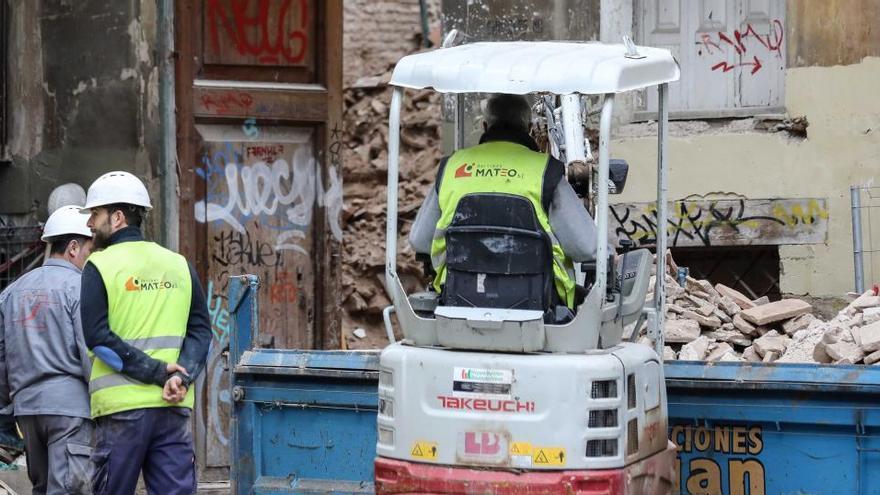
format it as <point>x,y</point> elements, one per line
<point>772,45</point>
<point>228,102</point>
<point>260,29</point>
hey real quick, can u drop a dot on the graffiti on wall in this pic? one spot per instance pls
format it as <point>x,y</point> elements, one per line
<point>269,32</point>
<point>262,187</point>
<point>716,44</point>
<point>724,222</point>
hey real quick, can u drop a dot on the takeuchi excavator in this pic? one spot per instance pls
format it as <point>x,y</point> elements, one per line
<point>481,397</point>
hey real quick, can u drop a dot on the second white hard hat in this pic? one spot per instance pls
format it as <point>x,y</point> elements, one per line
<point>67,220</point>
<point>117,187</point>
<point>65,194</point>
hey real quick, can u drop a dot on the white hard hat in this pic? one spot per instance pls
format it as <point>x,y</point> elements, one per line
<point>67,220</point>
<point>66,194</point>
<point>117,187</point>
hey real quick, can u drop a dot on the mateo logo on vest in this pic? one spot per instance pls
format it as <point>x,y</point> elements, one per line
<point>133,284</point>
<point>475,170</point>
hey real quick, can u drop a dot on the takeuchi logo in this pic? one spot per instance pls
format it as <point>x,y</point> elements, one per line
<point>135,284</point>
<point>485,170</point>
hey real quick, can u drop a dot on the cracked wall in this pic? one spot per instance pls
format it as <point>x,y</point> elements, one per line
<point>83,98</point>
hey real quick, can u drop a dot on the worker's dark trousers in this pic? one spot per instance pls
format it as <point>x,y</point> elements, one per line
<point>159,440</point>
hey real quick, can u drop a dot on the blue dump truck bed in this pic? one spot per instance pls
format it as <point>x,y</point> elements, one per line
<point>304,421</point>
<point>775,429</point>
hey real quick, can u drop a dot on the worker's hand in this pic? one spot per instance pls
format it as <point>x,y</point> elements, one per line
<point>174,367</point>
<point>174,390</point>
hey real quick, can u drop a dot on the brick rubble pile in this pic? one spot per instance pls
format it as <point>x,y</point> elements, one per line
<point>718,323</point>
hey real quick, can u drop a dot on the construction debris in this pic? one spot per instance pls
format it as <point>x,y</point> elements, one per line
<point>719,323</point>
<point>365,171</point>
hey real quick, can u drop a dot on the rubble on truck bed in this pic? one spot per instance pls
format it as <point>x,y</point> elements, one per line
<point>718,323</point>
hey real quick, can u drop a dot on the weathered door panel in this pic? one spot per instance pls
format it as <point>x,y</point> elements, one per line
<point>259,105</point>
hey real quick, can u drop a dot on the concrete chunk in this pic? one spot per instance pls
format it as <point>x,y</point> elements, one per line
<point>751,355</point>
<point>668,353</point>
<point>696,350</point>
<point>719,349</point>
<point>731,356</point>
<point>797,323</point>
<point>820,355</point>
<point>722,316</point>
<point>844,351</point>
<point>802,346</point>
<point>770,357</point>
<point>866,301</point>
<point>730,336</point>
<point>706,310</point>
<point>729,305</point>
<point>870,315</point>
<point>674,308</point>
<point>706,321</point>
<point>777,311</point>
<point>681,331</point>
<point>743,326</point>
<point>870,337</point>
<point>738,297</point>
<point>872,358</point>
<point>771,342</point>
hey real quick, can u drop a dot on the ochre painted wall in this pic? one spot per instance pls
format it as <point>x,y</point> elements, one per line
<point>832,32</point>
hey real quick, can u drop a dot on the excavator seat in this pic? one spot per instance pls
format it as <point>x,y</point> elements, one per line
<point>498,256</point>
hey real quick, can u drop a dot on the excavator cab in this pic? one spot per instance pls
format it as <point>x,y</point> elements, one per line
<point>494,388</point>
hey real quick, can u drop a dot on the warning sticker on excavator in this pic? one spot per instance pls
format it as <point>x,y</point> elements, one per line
<point>521,448</point>
<point>424,450</point>
<point>548,456</point>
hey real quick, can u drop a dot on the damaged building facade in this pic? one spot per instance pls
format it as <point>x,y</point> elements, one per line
<point>775,120</point>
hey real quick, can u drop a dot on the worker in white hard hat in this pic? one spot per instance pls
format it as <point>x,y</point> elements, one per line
<point>146,320</point>
<point>44,364</point>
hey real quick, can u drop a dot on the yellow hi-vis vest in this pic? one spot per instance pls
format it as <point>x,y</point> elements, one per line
<point>497,167</point>
<point>148,298</point>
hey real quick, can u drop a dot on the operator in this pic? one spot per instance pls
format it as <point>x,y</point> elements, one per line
<point>44,364</point>
<point>506,142</point>
<point>145,319</point>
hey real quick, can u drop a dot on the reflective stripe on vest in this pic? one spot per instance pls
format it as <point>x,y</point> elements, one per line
<point>149,292</point>
<point>145,344</point>
<point>497,167</point>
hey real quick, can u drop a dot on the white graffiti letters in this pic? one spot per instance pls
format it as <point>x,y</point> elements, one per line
<point>260,188</point>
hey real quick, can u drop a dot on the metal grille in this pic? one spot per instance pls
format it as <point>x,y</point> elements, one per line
<point>603,418</point>
<point>20,250</point>
<point>605,389</point>
<point>752,270</point>
<point>866,235</point>
<point>632,436</point>
<point>602,448</point>
<point>631,391</point>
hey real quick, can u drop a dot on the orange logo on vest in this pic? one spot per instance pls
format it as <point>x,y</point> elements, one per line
<point>131,284</point>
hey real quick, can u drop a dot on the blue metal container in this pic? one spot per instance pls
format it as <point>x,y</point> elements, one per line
<point>775,428</point>
<point>302,421</point>
<point>305,421</point>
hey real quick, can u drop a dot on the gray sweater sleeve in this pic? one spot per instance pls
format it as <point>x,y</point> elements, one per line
<point>572,224</point>
<point>422,233</point>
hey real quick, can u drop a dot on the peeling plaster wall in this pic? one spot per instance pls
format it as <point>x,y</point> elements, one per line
<point>83,98</point>
<point>832,32</point>
<point>842,149</point>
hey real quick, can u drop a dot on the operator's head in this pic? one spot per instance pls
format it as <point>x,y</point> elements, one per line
<point>508,111</point>
<point>68,235</point>
<point>115,200</point>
